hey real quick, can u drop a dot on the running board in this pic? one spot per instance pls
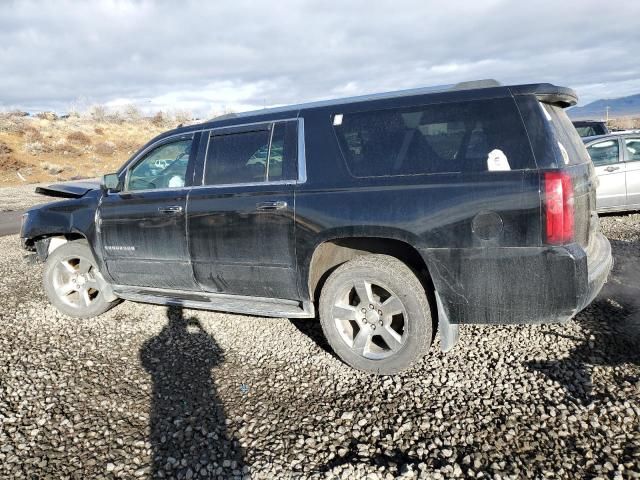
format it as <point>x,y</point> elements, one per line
<point>265,307</point>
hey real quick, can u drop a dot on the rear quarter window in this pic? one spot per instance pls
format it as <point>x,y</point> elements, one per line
<point>568,141</point>
<point>439,138</point>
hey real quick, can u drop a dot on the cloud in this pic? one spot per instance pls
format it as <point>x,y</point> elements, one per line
<point>241,54</point>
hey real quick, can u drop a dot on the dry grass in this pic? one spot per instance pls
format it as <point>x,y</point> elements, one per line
<point>625,123</point>
<point>79,138</point>
<point>105,148</point>
<point>45,147</point>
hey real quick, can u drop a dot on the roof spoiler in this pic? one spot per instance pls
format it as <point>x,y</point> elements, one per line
<point>546,92</point>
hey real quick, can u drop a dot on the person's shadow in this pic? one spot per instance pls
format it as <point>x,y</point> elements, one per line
<point>187,421</point>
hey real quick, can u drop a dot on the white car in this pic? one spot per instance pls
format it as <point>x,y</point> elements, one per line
<point>616,158</point>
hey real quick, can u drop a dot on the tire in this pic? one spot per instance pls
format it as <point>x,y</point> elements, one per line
<point>388,332</point>
<point>73,282</point>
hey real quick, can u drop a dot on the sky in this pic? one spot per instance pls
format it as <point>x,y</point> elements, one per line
<point>213,56</point>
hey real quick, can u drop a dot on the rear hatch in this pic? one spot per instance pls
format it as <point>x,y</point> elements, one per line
<point>572,160</point>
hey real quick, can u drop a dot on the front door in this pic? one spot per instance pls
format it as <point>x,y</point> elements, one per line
<point>612,190</point>
<point>143,227</point>
<point>241,220</point>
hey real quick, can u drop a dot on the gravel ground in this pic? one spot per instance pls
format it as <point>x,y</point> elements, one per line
<point>143,391</point>
<point>21,198</point>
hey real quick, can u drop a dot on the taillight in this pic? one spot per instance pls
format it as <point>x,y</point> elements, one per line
<point>558,190</point>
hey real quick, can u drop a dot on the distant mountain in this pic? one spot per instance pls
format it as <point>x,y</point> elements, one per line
<point>618,107</point>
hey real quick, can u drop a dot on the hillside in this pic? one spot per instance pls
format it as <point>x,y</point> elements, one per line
<point>618,107</point>
<point>45,148</point>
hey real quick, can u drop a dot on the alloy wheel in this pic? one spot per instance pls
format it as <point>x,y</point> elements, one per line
<point>371,319</point>
<point>76,281</point>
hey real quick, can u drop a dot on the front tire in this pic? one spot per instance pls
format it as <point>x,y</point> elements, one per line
<point>73,283</point>
<point>375,314</point>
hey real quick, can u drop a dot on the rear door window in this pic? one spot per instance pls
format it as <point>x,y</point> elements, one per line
<point>604,153</point>
<point>440,138</point>
<point>256,154</point>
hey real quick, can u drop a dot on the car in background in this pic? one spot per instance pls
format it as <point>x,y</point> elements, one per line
<point>590,128</point>
<point>616,158</point>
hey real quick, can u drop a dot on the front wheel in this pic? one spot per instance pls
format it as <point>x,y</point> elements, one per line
<point>375,314</point>
<point>73,283</point>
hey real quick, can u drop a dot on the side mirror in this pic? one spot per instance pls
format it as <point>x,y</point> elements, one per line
<point>111,182</point>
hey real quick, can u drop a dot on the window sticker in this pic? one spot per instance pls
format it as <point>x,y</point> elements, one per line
<point>497,161</point>
<point>337,120</point>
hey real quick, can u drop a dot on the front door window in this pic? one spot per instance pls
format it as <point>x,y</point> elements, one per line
<point>604,153</point>
<point>163,167</point>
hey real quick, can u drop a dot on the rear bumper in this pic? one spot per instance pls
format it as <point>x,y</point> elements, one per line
<point>519,285</point>
<point>599,264</point>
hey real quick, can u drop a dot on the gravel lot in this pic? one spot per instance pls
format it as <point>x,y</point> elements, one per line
<point>21,198</point>
<point>143,391</point>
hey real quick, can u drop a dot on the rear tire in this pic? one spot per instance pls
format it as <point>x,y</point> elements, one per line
<point>375,315</point>
<point>73,283</point>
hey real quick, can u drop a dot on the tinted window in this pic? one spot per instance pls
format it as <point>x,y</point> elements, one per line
<point>282,162</point>
<point>267,154</point>
<point>633,149</point>
<point>163,167</point>
<point>587,131</point>
<point>604,153</point>
<point>572,149</point>
<point>450,137</point>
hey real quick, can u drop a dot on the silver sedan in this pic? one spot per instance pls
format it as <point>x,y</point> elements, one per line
<point>616,158</point>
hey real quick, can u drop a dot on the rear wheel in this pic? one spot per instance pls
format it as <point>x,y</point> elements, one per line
<point>375,314</point>
<point>73,283</point>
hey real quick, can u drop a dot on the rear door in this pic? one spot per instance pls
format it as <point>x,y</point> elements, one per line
<point>240,221</point>
<point>631,147</point>
<point>606,156</point>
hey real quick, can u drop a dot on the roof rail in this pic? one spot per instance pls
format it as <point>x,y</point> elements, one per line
<point>486,83</point>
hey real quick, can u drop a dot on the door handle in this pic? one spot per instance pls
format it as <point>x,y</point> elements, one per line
<point>611,169</point>
<point>173,210</point>
<point>271,205</point>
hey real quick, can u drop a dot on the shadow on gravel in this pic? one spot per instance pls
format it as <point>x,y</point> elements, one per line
<point>611,326</point>
<point>312,329</point>
<point>187,422</point>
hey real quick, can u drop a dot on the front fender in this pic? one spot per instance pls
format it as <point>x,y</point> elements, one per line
<point>74,217</point>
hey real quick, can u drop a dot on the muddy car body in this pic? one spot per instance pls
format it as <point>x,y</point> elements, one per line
<point>392,215</point>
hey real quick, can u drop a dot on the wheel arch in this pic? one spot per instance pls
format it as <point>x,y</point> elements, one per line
<point>335,250</point>
<point>47,243</point>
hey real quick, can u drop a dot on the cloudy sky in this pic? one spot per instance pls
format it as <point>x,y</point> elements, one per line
<point>210,56</point>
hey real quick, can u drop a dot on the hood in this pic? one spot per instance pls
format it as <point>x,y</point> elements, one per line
<point>69,189</point>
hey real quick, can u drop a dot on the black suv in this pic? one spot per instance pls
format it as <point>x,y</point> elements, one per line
<point>393,215</point>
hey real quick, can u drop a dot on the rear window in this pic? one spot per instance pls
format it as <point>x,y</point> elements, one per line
<point>569,143</point>
<point>590,130</point>
<point>443,138</point>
